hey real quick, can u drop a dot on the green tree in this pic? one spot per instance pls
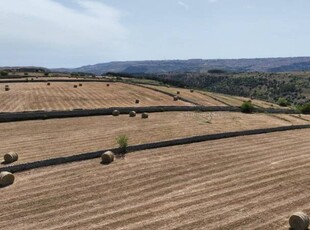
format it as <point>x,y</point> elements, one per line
<point>283,102</point>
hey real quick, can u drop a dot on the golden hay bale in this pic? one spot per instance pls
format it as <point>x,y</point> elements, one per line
<point>137,101</point>
<point>108,85</point>
<point>299,221</point>
<point>6,178</point>
<point>48,83</point>
<point>116,113</point>
<point>144,116</point>
<point>132,114</point>
<point>175,98</point>
<point>107,157</point>
<point>10,157</point>
<point>7,89</point>
<point>178,92</point>
<point>75,86</point>
<point>80,84</point>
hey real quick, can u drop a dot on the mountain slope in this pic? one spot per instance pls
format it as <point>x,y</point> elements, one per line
<point>200,65</point>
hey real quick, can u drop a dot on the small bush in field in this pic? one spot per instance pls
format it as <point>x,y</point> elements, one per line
<point>247,107</point>
<point>122,141</point>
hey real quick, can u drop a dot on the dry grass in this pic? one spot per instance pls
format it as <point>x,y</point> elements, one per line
<point>299,221</point>
<point>6,178</point>
<point>37,140</point>
<point>10,157</point>
<point>253,182</point>
<point>107,157</point>
<point>193,96</point>
<point>62,96</point>
<point>207,98</point>
<point>132,114</point>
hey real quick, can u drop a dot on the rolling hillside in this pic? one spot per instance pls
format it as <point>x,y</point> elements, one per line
<point>199,65</point>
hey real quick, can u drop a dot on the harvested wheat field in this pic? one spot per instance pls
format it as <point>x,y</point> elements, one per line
<point>196,96</point>
<point>63,96</point>
<point>237,101</point>
<point>42,139</point>
<point>213,99</point>
<point>252,182</point>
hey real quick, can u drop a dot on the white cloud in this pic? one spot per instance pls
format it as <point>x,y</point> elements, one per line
<point>183,4</point>
<point>92,28</point>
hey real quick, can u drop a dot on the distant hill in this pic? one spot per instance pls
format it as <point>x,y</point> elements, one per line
<point>199,65</point>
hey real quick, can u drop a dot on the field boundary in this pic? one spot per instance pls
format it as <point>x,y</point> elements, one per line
<point>56,114</point>
<point>57,80</point>
<point>141,147</point>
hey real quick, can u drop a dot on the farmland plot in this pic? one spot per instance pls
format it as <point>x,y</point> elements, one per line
<point>42,139</point>
<point>252,182</point>
<point>63,96</point>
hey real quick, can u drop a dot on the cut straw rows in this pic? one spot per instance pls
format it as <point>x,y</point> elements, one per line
<point>201,193</point>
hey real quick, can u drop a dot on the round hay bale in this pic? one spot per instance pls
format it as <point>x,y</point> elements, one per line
<point>192,90</point>
<point>6,178</point>
<point>144,116</point>
<point>107,157</point>
<point>178,92</point>
<point>299,221</point>
<point>7,86</point>
<point>175,98</point>
<point>48,83</point>
<point>108,85</point>
<point>75,86</point>
<point>7,89</point>
<point>10,157</point>
<point>80,84</point>
<point>137,101</point>
<point>116,113</point>
<point>132,114</point>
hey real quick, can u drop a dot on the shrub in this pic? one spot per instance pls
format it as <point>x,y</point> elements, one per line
<point>305,108</point>
<point>122,141</point>
<point>247,107</point>
<point>283,102</point>
<point>4,73</point>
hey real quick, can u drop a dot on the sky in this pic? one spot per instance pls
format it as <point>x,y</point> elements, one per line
<point>73,33</point>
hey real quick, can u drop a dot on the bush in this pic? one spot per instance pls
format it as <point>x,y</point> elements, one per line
<point>305,108</point>
<point>122,141</point>
<point>247,107</point>
<point>4,73</point>
<point>283,102</point>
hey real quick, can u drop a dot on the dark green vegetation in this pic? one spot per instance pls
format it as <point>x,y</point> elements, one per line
<point>287,88</point>
<point>247,107</point>
<point>122,141</point>
<point>199,65</point>
<point>3,73</point>
<point>305,108</point>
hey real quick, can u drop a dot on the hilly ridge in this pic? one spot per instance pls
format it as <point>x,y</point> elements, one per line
<point>199,65</point>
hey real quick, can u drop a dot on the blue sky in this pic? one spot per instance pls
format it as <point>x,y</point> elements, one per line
<point>71,33</point>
